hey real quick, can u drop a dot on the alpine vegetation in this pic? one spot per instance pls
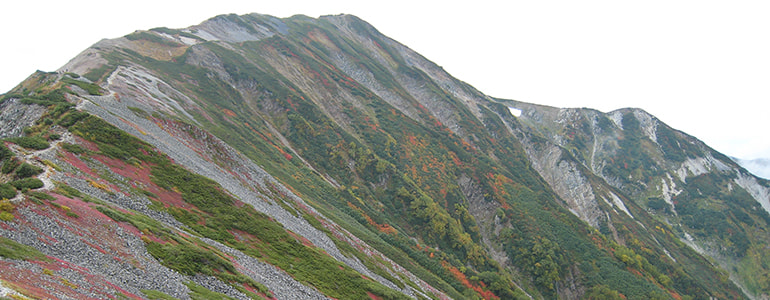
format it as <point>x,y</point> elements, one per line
<point>254,157</point>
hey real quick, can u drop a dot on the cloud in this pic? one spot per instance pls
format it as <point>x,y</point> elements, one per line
<point>759,167</point>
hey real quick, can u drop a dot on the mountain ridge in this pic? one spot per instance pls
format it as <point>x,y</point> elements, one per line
<point>366,158</point>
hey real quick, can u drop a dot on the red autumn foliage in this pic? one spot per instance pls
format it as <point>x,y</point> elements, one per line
<point>478,288</point>
<point>384,228</point>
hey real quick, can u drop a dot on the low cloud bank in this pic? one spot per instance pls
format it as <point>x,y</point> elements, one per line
<point>759,167</point>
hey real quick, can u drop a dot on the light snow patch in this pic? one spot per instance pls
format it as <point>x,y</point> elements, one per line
<point>515,111</point>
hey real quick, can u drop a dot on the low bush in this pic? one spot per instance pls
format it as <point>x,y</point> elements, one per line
<point>41,196</point>
<point>27,170</point>
<point>91,88</point>
<point>5,152</point>
<point>10,165</point>
<point>27,183</point>
<point>72,118</point>
<point>73,148</point>
<point>7,191</point>
<point>34,143</point>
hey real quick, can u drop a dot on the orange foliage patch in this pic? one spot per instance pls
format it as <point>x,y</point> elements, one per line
<point>294,108</point>
<point>498,187</point>
<point>228,112</point>
<point>675,295</point>
<point>384,228</point>
<point>479,288</point>
<point>286,155</point>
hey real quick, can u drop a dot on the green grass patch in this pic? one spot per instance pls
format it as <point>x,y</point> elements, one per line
<point>73,148</point>
<point>147,36</point>
<point>189,258</point>
<point>41,196</point>
<point>96,74</point>
<point>140,221</point>
<point>34,143</point>
<point>65,190</point>
<point>201,293</point>
<point>91,88</point>
<point>14,250</point>
<point>157,295</point>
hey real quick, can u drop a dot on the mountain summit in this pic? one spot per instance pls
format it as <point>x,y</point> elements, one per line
<point>300,158</point>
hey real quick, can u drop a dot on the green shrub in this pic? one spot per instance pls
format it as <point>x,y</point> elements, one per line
<point>13,250</point>
<point>7,191</point>
<point>91,88</point>
<point>35,143</point>
<point>41,196</point>
<point>27,183</point>
<point>27,170</point>
<point>56,95</point>
<point>72,118</point>
<point>189,259</point>
<point>73,148</point>
<point>9,96</point>
<point>10,165</point>
<point>5,152</point>
<point>59,109</point>
<point>67,191</point>
<point>6,216</point>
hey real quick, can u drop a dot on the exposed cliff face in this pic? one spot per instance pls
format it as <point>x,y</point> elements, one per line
<point>658,170</point>
<point>306,158</point>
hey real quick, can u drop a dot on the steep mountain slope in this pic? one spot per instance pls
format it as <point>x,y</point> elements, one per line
<point>708,201</point>
<point>300,158</point>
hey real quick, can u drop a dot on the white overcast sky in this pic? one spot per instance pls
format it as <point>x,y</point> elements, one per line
<point>702,67</point>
